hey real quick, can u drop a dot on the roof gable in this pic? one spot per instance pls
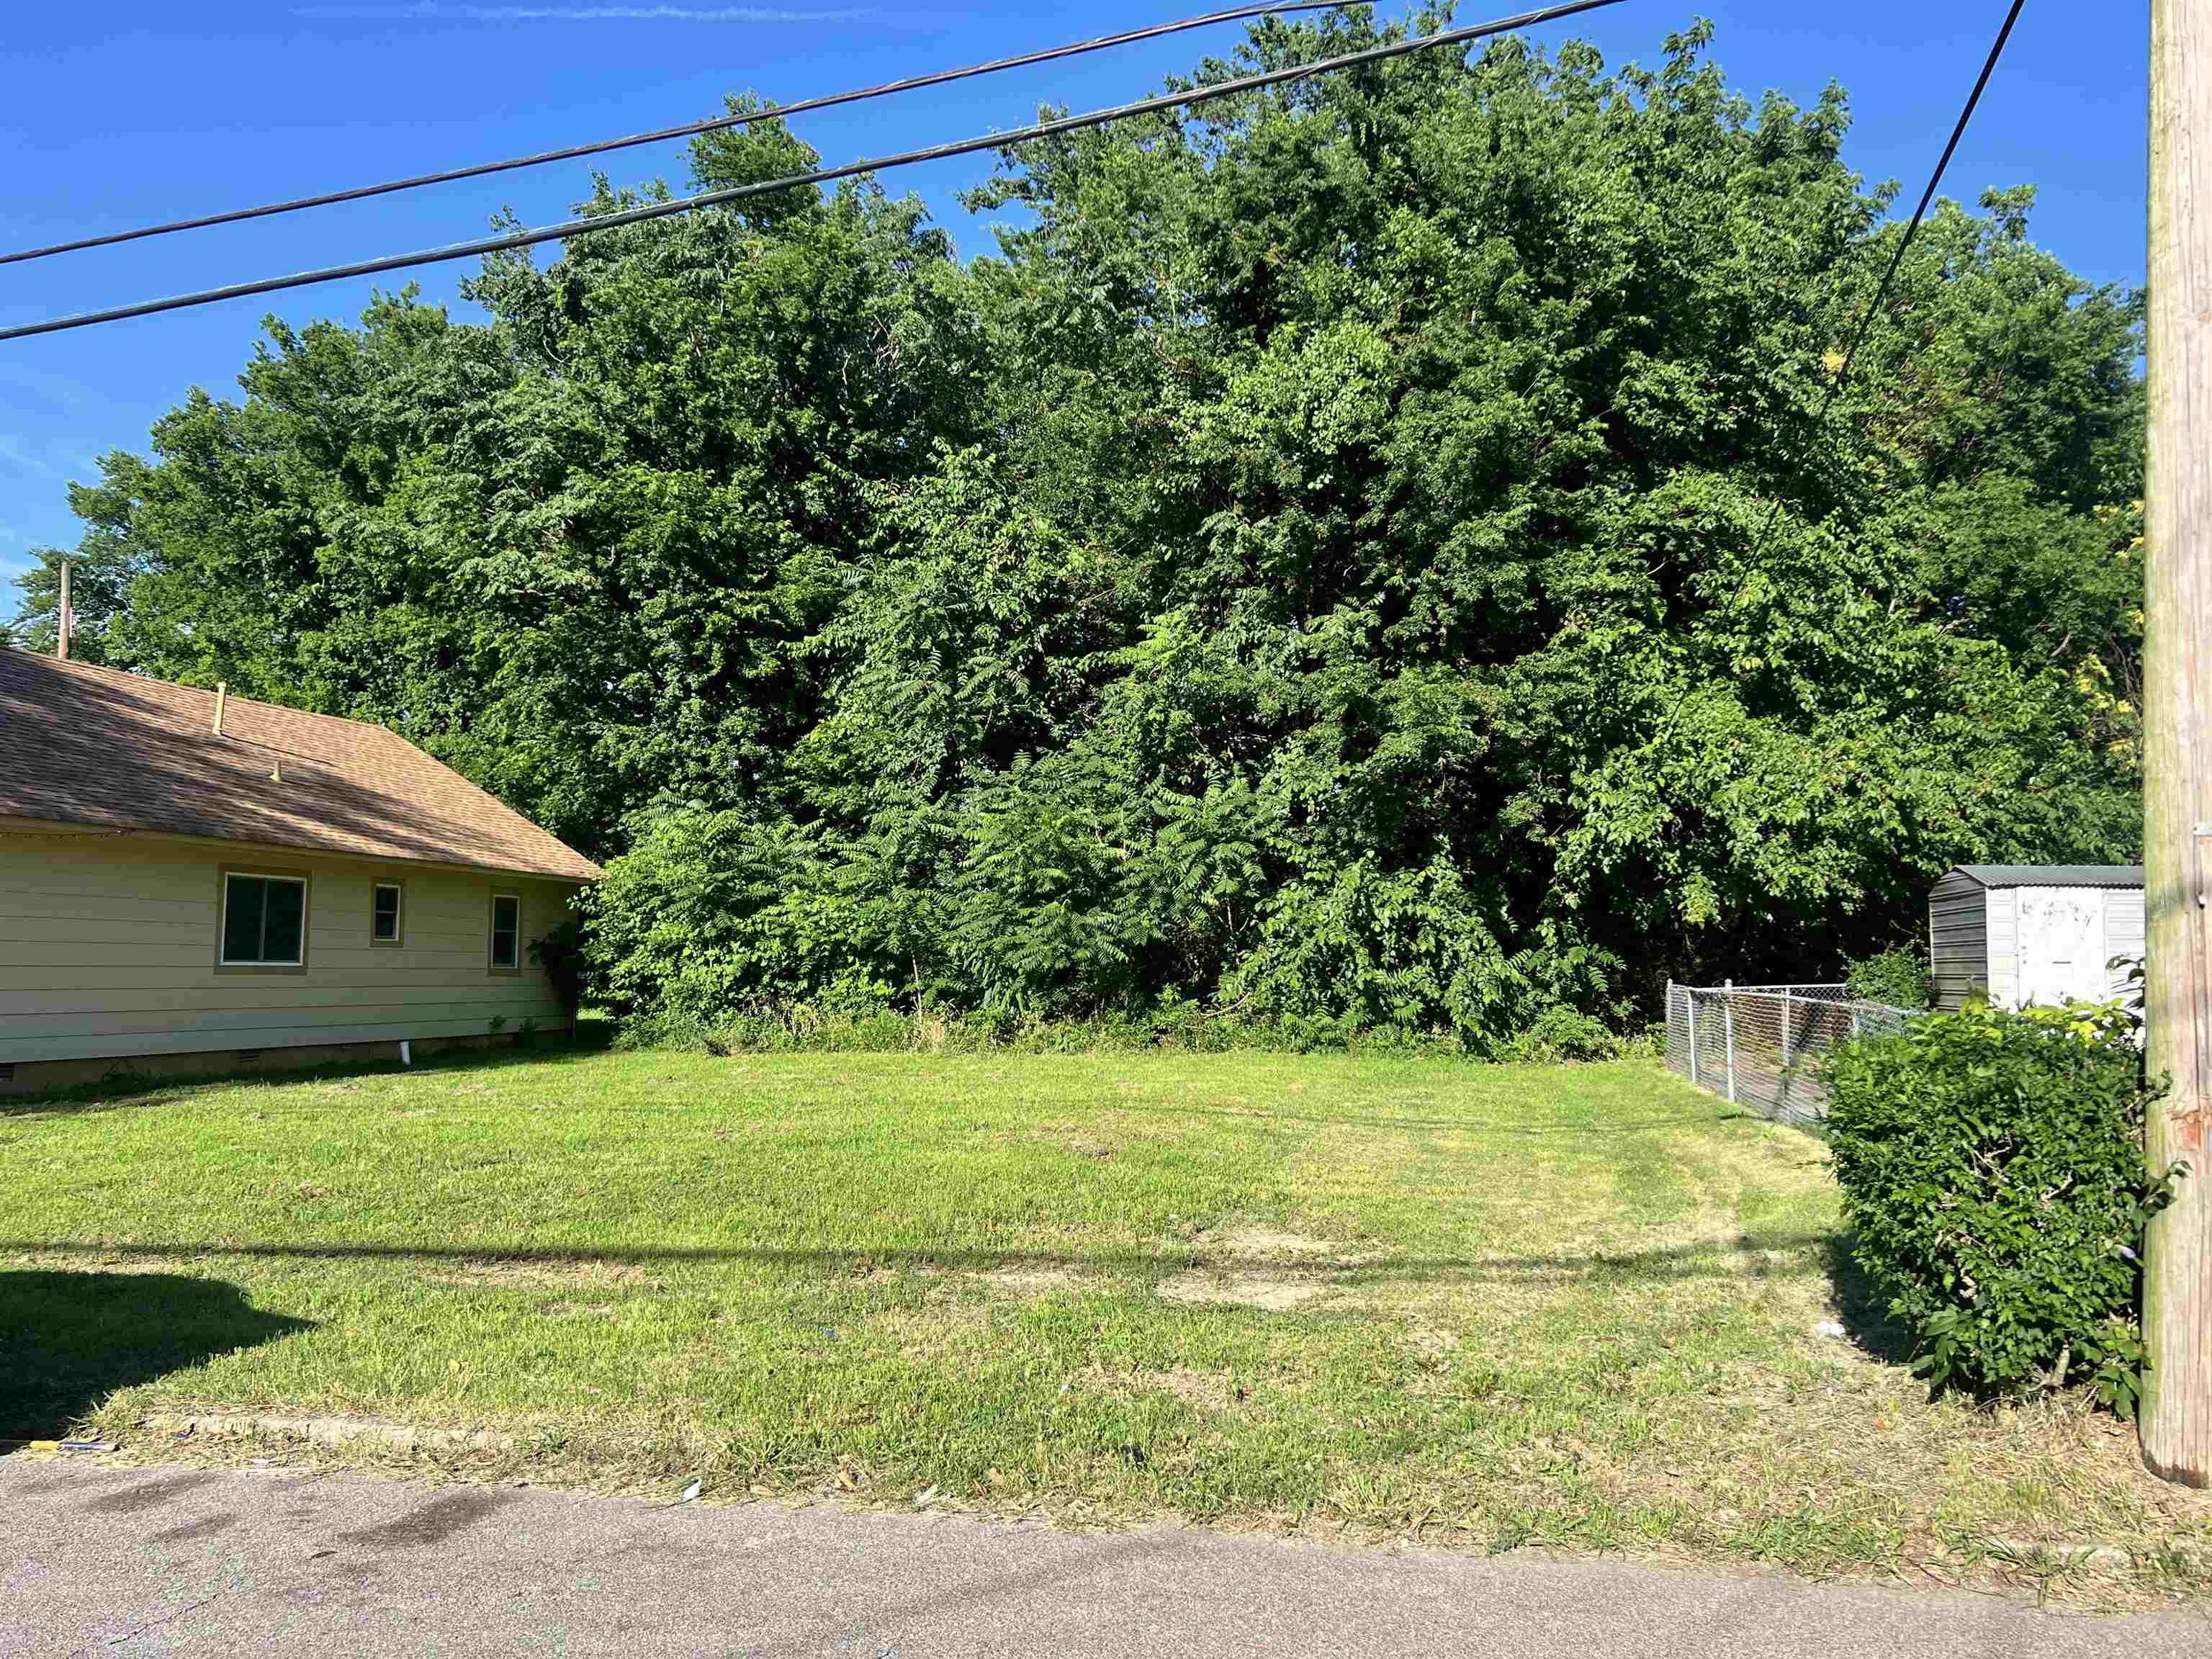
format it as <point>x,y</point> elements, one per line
<point>87,745</point>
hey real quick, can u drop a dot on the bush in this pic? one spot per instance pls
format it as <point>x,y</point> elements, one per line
<point>1898,977</point>
<point>1992,1168</point>
<point>1562,1033</point>
<point>1033,921</point>
<point>560,954</point>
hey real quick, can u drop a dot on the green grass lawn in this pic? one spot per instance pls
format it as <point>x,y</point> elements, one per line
<point>1487,1306</point>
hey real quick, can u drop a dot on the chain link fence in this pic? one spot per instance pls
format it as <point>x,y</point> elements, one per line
<point>1760,1045</point>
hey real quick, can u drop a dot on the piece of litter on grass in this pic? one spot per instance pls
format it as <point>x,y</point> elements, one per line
<point>926,1499</point>
<point>88,1445</point>
<point>1829,1328</point>
<point>691,1492</point>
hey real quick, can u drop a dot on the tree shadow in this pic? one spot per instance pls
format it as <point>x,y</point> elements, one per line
<point>1863,1310</point>
<point>69,1340</point>
<point>126,1089</point>
<point>1742,1257</point>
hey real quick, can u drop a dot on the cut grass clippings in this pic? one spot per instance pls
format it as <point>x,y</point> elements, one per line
<point>1379,1297</point>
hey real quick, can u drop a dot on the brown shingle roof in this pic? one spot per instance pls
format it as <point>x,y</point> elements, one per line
<point>81,745</point>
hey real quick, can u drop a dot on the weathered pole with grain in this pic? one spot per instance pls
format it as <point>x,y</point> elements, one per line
<point>2177,1408</point>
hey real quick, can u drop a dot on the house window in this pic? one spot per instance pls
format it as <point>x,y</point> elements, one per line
<point>264,920</point>
<point>506,933</point>
<point>383,913</point>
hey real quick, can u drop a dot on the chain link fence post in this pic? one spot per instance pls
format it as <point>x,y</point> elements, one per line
<point>1690,995</point>
<point>1727,1019</point>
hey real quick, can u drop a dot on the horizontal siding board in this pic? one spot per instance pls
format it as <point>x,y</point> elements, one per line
<point>88,987</point>
<point>337,931</point>
<point>28,953</point>
<point>233,994</point>
<point>199,1042</point>
<point>106,907</point>
<point>309,1024</point>
<point>1958,940</point>
<point>107,950</point>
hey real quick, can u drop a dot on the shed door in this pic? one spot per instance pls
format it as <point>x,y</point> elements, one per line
<point>2062,945</point>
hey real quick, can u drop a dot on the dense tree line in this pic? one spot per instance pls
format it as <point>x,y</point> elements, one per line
<point>1364,557</point>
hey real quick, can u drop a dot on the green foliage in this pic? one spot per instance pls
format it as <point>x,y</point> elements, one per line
<point>1992,1171</point>
<point>1897,976</point>
<point>1353,561</point>
<point>560,953</point>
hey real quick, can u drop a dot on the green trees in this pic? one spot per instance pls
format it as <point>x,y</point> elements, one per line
<point>1362,558</point>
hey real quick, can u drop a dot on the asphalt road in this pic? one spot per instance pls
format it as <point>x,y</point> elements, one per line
<point>190,1561</point>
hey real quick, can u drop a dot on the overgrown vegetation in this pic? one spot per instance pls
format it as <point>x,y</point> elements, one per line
<point>1170,1026</point>
<point>1897,976</point>
<point>1992,1172</point>
<point>1356,560</point>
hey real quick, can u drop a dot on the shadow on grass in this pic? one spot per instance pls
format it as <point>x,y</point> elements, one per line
<point>121,1091</point>
<point>69,1340</point>
<point>1587,1128</point>
<point>1862,1309</point>
<point>124,1090</point>
<point>1746,1256</point>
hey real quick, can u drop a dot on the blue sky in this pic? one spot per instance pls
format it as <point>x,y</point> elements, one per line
<point>143,110</point>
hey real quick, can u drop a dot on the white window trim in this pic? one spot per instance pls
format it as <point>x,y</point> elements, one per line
<point>223,958</point>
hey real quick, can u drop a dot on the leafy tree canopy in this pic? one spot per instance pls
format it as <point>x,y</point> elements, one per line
<point>1360,554</point>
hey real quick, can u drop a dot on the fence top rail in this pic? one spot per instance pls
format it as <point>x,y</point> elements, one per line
<point>1780,994</point>
<point>1754,989</point>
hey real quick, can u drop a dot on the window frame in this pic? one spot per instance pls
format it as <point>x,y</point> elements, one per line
<point>492,964</point>
<point>398,913</point>
<point>300,879</point>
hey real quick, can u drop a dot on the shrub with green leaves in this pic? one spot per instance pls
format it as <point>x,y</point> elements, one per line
<point>1897,976</point>
<point>1992,1171</point>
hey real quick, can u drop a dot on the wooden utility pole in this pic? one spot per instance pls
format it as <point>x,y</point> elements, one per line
<point>2177,1408</point>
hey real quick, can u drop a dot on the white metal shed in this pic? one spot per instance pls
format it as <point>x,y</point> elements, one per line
<point>2018,933</point>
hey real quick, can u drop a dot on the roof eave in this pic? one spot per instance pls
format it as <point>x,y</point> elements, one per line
<point>13,825</point>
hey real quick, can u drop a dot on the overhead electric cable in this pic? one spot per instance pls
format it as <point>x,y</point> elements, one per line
<point>690,129</point>
<point>1912,229</point>
<point>1905,243</point>
<point>521,238</point>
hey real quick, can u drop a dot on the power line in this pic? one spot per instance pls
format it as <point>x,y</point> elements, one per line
<point>522,238</point>
<point>690,129</point>
<point>1905,243</point>
<point>1912,230</point>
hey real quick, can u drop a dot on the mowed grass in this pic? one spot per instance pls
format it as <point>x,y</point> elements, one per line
<point>1482,1306</point>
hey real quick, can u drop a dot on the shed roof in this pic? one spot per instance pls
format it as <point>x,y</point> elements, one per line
<point>2053,875</point>
<point>81,744</point>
